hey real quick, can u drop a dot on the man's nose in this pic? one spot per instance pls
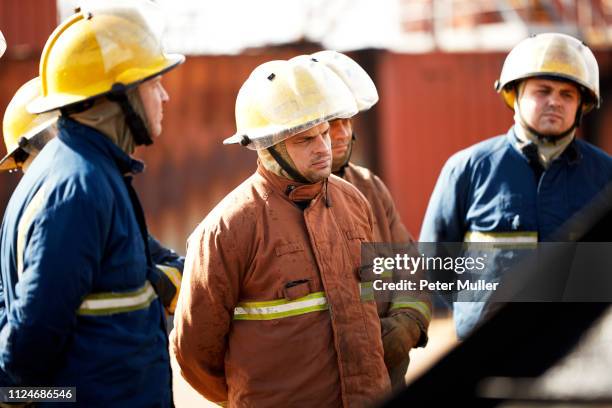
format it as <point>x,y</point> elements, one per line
<point>322,144</point>
<point>164,95</point>
<point>554,99</point>
<point>344,130</point>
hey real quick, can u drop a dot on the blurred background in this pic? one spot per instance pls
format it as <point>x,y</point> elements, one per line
<point>434,63</point>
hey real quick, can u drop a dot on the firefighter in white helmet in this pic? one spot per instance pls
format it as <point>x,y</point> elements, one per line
<point>271,312</point>
<point>519,188</point>
<point>405,320</point>
<point>79,286</point>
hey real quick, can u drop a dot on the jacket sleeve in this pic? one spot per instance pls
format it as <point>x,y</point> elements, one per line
<point>416,304</point>
<point>165,256</point>
<point>62,251</point>
<point>205,310</point>
<point>445,216</point>
<point>399,233</point>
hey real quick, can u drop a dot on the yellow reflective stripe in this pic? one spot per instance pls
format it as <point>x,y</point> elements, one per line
<point>175,277</point>
<point>278,309</point>
<point>33,208</point>
<point>519,237</point>
<point>172,273</point>
<point>113,302</point>
<point>407,302</point>
<point>366,290</point>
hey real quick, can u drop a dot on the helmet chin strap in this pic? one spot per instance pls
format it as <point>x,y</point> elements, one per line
<point>293,173</point>
<point>135,123</point>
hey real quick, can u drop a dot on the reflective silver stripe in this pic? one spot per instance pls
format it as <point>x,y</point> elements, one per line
<point>278,309</point>
<point>33,208</point>
<point>113,302</point>
<point>519,237</point>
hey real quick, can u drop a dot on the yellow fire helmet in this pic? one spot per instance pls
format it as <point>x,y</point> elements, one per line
<point>552,55</point>
<point>281,98</point>
<point>2,44</point>
<point>353,75</point>
<point>109,45</point>
<point>21,128</point>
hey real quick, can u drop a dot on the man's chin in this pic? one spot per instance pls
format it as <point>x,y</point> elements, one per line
<point>552,137</point>
<point>339,151</point>
<point>336,164</point>
<point>318,175</point>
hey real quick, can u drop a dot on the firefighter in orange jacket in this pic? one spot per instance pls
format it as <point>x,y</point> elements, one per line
<point>405,320</point>
<point>271,312</point>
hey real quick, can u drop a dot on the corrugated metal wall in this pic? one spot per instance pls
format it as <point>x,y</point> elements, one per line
<point>26,24</point>
<point>433,105</point>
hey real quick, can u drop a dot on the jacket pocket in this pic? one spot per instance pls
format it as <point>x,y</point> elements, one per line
<point>296,289</point>
<point>295,271</point>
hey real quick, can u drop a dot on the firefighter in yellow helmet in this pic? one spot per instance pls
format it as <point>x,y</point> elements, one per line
<point>521,187</point>
<point>404,320</point>
<point>271,312</point>
<point>86,313</point>
<point>25,135</point>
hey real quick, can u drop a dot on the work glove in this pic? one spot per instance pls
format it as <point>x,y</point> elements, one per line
<point>167,286</point>
<point>400,333</point>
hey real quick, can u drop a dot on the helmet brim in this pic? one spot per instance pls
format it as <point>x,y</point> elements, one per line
<point>64,100</point>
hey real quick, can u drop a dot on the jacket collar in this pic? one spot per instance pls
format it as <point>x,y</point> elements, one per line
<point>72,132</point>
<point>571,154</point>
<point>291,189</point>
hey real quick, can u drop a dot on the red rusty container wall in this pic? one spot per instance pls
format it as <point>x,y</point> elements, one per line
<point>431,106</point>
<point>598,124</point>
<point>26,25</point>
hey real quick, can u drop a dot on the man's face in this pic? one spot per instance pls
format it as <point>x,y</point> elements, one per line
<point>153,96</point>
<point>549,106</point>
<point>341,133</point>
<point>311,152</point>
